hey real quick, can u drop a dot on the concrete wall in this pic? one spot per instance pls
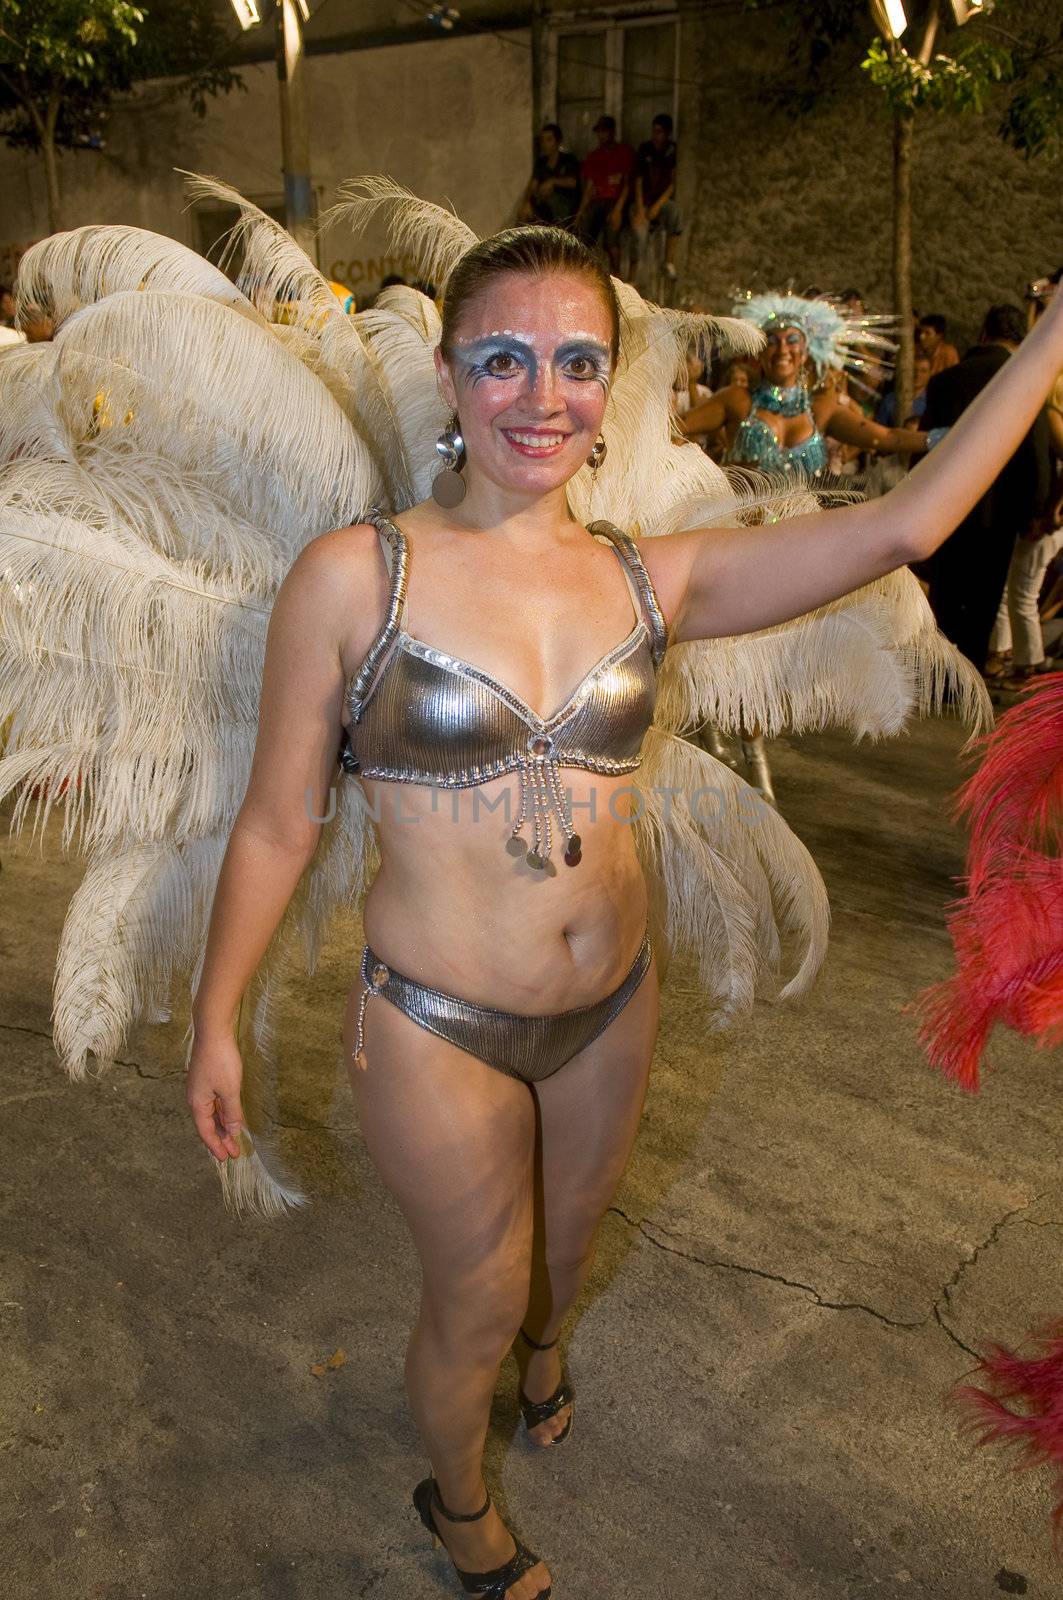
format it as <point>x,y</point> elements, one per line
<point>450,118</point>
<point>774,200</point>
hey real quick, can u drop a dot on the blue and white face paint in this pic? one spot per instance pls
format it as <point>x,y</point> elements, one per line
<point>528,373</point>
<point>508,356</point>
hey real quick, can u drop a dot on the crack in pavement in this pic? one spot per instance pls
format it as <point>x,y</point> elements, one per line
<point>991,1239</point>
<point>91,1077</point>
<point>761,1272</point>
<point>949,1332</point>
<point>934,1315</point>
<point>20,1027</point>
<point>944,1299</point>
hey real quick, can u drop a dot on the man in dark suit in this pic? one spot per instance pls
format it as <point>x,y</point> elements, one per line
<point>968,572</point>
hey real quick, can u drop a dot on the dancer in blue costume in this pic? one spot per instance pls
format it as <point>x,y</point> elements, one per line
<point>781,425</point>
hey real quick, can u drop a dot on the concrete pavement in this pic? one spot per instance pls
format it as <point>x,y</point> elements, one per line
<point>812,1236</point>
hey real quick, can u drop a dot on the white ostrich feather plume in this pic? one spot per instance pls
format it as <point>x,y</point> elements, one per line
<point>433,236</point>
<point>262,433</point>
<point>132,684</point>
<point>401,332</point>
<point>863,663</point>
<point>135,921</point>
<point>61,274</point>
<point>281,281</point>
<point>740,890</point>
<point>257,1184</point>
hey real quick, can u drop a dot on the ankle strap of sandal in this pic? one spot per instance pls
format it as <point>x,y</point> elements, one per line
<point>460,1516</point>
<point>535,1346</point>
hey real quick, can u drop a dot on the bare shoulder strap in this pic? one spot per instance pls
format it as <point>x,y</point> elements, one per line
<point>628,550</point>
<point>396,550</point>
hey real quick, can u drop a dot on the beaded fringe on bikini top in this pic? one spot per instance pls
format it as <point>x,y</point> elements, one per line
<point>419,715</point>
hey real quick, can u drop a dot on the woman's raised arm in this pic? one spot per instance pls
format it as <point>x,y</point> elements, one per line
<point>717,582</point>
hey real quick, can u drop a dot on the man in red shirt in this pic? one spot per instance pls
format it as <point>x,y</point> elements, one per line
<point>607,174</point>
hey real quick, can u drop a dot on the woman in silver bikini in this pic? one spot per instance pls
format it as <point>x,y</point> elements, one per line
<point>489,672</point>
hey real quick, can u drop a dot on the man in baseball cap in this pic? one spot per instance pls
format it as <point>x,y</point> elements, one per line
<point>607,174</point>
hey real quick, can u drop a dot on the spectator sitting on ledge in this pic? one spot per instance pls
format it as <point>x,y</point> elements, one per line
<point>607,174</point>
<point>653,202</point>
<point>553,192</point>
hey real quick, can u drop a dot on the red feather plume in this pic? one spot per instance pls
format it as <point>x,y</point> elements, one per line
<point>1036,1382</point>
<point>1007,933</point>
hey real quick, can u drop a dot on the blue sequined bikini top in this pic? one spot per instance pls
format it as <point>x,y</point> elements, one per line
<point>756,443</point>
<point>420,715</point>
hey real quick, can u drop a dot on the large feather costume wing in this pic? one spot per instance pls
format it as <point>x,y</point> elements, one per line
<point>167,456</point>
<point>170,453</point>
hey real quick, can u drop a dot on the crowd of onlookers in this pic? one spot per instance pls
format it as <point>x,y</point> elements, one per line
<point>617,197</point>
<point>996,584</point>
<point>986,580</point>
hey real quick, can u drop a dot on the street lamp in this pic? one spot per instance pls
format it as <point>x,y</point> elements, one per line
<point>890,17</point>
<point>964,10</point>
<point>249,16</point>
<point>288,16</point>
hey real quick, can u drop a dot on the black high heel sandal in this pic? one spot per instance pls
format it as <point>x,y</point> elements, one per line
<point>488,1585</point>
<point>536,1411</point>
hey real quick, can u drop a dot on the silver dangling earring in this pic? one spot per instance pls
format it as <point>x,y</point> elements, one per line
<point>448,486</point>
<point>599,451</point>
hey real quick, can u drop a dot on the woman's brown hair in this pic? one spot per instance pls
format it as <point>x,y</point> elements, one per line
<point>532,250</point>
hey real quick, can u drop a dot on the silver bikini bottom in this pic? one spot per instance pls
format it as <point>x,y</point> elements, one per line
<point>522,1046</point>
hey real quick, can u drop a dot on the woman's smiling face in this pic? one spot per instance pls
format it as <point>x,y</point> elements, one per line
<point>783,356</point>
<point>528,374</point>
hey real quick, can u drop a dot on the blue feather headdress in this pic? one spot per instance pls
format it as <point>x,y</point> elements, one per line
<point>834,337</point>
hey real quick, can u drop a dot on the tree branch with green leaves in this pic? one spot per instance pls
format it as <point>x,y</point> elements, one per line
<point>63,63</point>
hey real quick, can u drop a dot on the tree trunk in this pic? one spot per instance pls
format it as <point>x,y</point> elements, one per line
<point>45,120</point>
<point>903,127</point>
<point>51,161</point>
<point>51,177</point>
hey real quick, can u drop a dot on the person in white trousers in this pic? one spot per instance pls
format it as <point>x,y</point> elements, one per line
<point>1018,624</point>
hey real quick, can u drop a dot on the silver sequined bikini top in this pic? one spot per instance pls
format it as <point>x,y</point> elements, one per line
<point>419,715</point>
